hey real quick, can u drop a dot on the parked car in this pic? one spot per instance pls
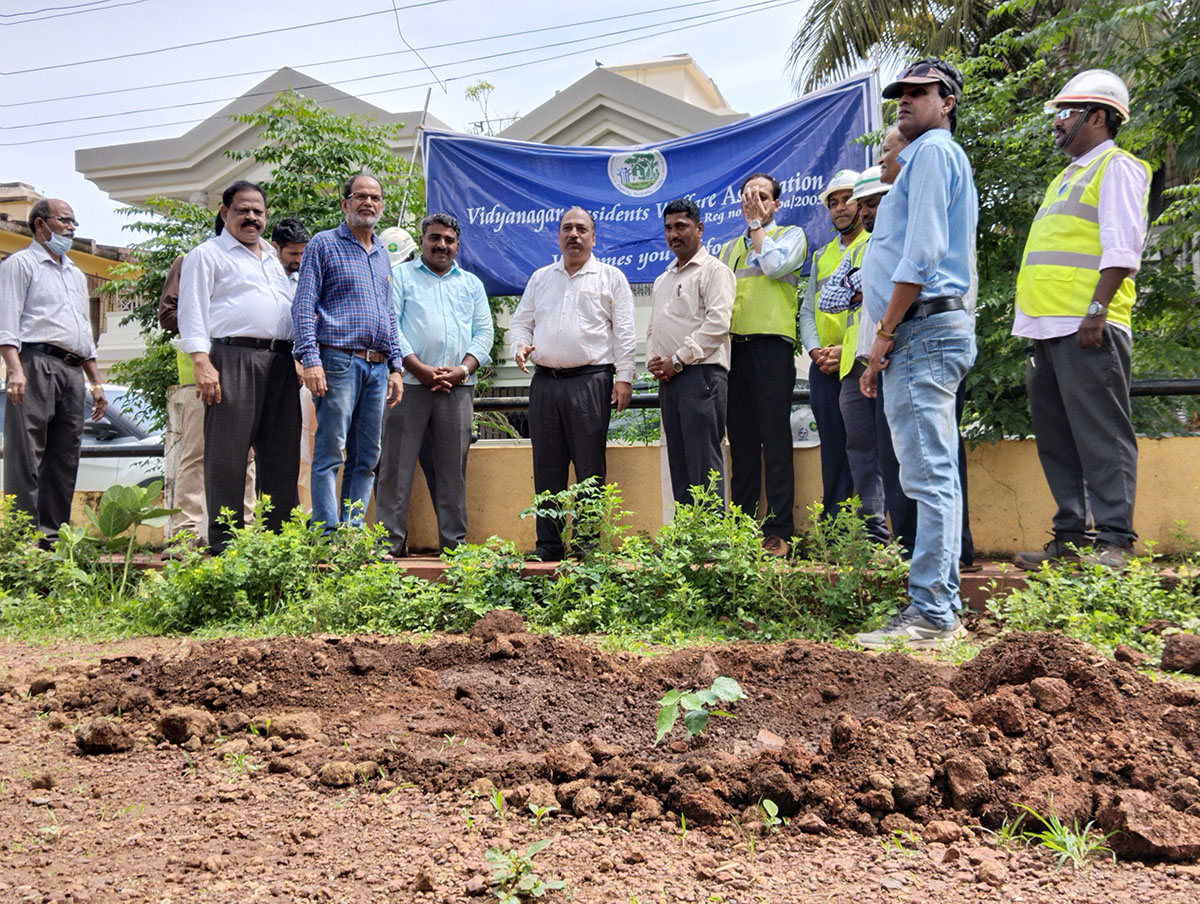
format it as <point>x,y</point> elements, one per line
<point>124,424</point>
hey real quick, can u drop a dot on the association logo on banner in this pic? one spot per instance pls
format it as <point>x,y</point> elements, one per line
<point>637,174</point>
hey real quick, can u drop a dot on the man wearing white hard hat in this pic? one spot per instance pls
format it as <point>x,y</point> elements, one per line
<point>1074,295</point>
<point>821,335</point>
<point>766,258</point>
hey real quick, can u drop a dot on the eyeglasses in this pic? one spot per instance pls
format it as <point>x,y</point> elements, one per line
<point>69,221</point>
<point>364,196</point>
<point>1066,113</point>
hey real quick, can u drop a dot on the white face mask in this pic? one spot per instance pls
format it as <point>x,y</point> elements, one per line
<point>58,244</point>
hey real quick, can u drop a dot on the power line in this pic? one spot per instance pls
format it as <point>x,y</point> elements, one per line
<point>356,58</point>
<point>77,10</point>
<point>210,41</point>
<point>763,7</point>
<point>748,7</point>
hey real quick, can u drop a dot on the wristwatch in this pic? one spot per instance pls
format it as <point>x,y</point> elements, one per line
<point>676,364</point>
<point>882,333</point>
<point>1095,309</point>
<point>754,224</point>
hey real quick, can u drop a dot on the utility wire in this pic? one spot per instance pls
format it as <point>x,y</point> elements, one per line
<point>441,84</point>
<point>770,4</point>
<point>359,57</point>
<point>77,11</point>
<point>756,6</point>
<point>210,41</point>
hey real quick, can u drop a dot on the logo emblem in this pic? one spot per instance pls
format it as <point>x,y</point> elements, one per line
<point>637,174</point>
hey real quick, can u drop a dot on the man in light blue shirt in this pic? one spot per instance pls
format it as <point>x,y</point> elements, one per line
<point>919,287</point>
<point>445,336</point>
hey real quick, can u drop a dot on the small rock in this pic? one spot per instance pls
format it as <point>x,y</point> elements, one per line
<point>179,723</point>
<point>1181,653</point>
<point>941,831</point>
<point>1145,827</point>
<point>811,824</point>
<point>423,882</point>
<point>500,647</point>
<point>635,856</point>
<point>103,736</point>
<point>234,747</point>
<point>967,780</point>
<point>768,740</point>
<point>363,660</point>
<point>570,761</point>
<point>586,800</point>
<point>845,728</point>
<point>482,787</point>
<point>423,677</point>
<point>1129,655</point>
<point>44,780</point>
<point>910,790</point>
<point>542,794</point>
<point>39,684</point>
<point>250,690</point>
<point>1050,695</point>
<point>336,774</point>
<point>707,671</point>
<point>703,808</point>
<point>56,721</point>
<point>299,726</point>
<point>600,749</point>
<point>992,872</point>
<point>475,887</point>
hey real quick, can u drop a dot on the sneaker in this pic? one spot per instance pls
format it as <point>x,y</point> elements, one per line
<point>1109,555</point>
<point>1055,550</point>
<point>911,629</point>
<point>775,546</point>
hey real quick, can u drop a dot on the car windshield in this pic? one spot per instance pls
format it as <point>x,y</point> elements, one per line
<point>132,408</point>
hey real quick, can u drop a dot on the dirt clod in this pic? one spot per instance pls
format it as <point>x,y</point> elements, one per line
<point>1050,695</point>
<point>495,623</point>
<point>103,736</point>
<point>179,723</point>
<point>1146,827</point>
<point>336,773</point>
<point>1181,653</point>
<point>40,684</point>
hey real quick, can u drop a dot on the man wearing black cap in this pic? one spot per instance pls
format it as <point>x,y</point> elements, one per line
<point>919,286</point>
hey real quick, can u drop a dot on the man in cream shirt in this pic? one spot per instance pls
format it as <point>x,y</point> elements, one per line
<point>575,325</point>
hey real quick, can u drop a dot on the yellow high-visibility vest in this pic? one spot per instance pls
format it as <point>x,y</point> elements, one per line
<point>1061,264</point>
<point>831,328</point>
<point>850,340</point>
<point>762,305</point>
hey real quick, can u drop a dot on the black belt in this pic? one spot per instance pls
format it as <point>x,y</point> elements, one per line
<point>55,352</point>
<point>560,372</point>
<point>367,354</point>
<point>931,306</point>
<point>283,346</point>
<point>758,337</point>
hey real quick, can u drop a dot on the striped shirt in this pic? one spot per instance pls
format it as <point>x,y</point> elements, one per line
<point>344,298</point>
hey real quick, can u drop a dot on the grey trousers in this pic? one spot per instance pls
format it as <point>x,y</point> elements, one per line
<point>1079,400</point>
<point>447,416</point>
<point>259,409</point>
<point>41,440</point>
<point>693,404</point>
<point>862,451</point>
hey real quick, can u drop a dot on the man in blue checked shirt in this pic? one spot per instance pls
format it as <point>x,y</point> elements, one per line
<point>347,343</point>
<point>445,330</point>
<point>919,287</point>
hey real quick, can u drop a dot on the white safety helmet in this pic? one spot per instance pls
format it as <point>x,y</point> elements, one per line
<point>1093,86</point>
<point>870,183</point>
<point>842,180</point>
<point>399,244</point>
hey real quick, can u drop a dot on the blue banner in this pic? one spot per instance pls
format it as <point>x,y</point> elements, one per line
<point>508,196</point>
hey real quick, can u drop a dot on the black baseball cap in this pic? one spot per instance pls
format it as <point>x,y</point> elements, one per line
<point>926,72</point>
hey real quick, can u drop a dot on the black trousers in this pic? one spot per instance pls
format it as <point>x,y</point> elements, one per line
<point>41,440</point>
<point>568,425</point>
<point>259,408</point>
<point>762,375</point>
<point>902,511</point>
<point>692,404</point>
<point>837,481</point>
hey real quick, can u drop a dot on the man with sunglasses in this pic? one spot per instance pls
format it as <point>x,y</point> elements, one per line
<point>347,342</point>
<point>1074,295</point>
<point>47,346</point>
<point>919,286</point>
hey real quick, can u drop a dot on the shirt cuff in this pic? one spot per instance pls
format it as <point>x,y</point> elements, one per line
<point>1118,257</point>
<point>624,376</point>
<point>908,272</point>
<point>191,346</point>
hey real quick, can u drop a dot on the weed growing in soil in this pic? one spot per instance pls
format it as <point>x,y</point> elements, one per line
<point>497,800</point>
<point>768,812</point>
<point>513,875</point>
<point>901,841</point>
<point>1071,845</point>
<point>1010,836</point>
<point>540,813</point>
<point>694,706</point>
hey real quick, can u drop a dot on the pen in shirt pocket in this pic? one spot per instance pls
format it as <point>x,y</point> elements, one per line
<point>678,290</point>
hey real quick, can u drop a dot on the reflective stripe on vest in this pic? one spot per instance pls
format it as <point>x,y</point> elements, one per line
<point>831,327</point>
<point>850,339</point>
<point>1061,264</point>
<point>762,306</point>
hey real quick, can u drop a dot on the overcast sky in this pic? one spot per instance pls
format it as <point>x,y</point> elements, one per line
<point>741,44</point>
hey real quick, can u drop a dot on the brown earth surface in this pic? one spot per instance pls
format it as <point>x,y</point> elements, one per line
<point>362,769</point>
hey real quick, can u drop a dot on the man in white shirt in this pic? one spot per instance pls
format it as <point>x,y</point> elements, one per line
<point>235,321</point>
<point>687,351</point>
<point>575,324</point>
<point>46,342</point>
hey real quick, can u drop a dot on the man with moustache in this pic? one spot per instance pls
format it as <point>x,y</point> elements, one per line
<point>822,334</point>
<point>235,322</point>
<point>575,325</point>
<point>687,351</point>
<point>1075,293</point>
<point>919,288</point>
<point>347,343</point>
<point>766,259</point>
<point>47,346</point>
<point>445,335</point>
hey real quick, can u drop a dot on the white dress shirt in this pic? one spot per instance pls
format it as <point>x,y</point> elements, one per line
<point>42,300</point>
<point>690,310</point>
<point>226,290</point>
<point>577,320</point>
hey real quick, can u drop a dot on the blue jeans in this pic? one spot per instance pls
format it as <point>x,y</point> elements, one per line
<point>349,417</point>
<point>930,357</point>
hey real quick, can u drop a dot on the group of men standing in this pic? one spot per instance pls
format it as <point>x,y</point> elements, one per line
<point>365,335</point>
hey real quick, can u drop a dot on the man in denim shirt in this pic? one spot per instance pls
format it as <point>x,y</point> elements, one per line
<point>919,287</point>
<point>445,329</point>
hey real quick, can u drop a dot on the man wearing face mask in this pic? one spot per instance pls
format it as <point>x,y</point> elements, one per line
<point>1074,296</point>
<point>235,321</point>
<point>46,342</point>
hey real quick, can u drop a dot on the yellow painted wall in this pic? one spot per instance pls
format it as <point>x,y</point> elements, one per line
<point>91,264</point>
